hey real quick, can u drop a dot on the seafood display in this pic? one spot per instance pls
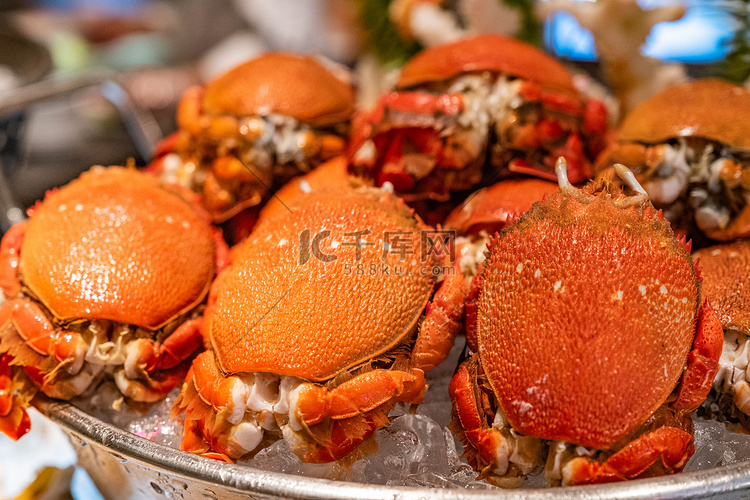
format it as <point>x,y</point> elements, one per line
<point>319,327</point>
<point>252,129</point>
<point>488,106</point>
<point>484,194</point>
<point>108,275</point>
<point>590,343</point>
<point>725,272</point>
<point>690,153</point>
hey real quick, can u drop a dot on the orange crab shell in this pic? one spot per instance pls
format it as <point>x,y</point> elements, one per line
<point>285,84</point>
<point>725,269</point>
<point>704,108</point>
<point>582,347</point>
<point>84,240</point>
<point>490,207</point>
<point>314,319</point>
<point>485,53</point>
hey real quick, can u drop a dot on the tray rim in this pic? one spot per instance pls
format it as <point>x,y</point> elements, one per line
<point>123,445</point>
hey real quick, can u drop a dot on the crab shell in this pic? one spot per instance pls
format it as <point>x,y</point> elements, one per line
<point>314,319</point>
<point>489,208</point>
<point>285,84</point>
<point>114,244</point>
<point>704,108</point>
<point>725,268</point>
<point>590,313</point>
<point>495,53</point>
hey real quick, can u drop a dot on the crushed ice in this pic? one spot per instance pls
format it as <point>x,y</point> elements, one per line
<point>415,450</point>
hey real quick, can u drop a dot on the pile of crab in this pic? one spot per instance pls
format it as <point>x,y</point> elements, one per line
<point>593,334</point>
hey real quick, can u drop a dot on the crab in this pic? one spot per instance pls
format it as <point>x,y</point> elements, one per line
<point>690,153</point>
<point>589,343</point>
<point>324,321</point>
<point>488,106</point>
<point>252,129</point>
<point>725,271</point>
<point>486,211</point>
<point>109,273</point>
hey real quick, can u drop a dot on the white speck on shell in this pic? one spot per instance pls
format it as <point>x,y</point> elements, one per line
<point>642,289</point>
<point>519,268</point>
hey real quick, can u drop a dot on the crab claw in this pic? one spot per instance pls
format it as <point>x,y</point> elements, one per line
<point>703,360</point>
<point>483,438</point>
<point>145,354</point>
<point>14,421</point>
<point>359,395</point>
<point>669,445</point>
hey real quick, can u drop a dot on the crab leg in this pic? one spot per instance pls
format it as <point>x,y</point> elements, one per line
<point>421,103</point>
<point>346,435</point>
<point>66,347</point>
<point>359,395</point>
<point>212,388</point>
<point>472,310</point>
<point>189,111</point>
<point>14,421</point>
<point>6,394</point>
<point>672,445</point>
<point>153,388</point>
<point>10,250</point>
<point>479,435</point>
<point>703,360</point>
<point>149,356</point>
<point>214,406</point>
<point>441,324</point>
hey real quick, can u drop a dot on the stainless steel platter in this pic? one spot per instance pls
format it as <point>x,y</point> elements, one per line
<point>126,466</point>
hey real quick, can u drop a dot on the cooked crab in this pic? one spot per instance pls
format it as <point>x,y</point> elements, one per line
<point>487,106</point>
<point>325,319</point>
<point>109,273</point>
<point>725,273</point>
<point>252,129</point>
<point>691,153</point>
<point>589,341</point>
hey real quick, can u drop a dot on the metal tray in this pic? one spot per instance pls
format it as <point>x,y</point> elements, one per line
<point>126,466</point>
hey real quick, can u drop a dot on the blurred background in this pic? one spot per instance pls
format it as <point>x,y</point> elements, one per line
<point>86,82</point>
<point>155,49</point>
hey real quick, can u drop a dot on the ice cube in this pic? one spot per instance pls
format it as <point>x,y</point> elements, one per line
<point>709,445</point>
<point>278,457</point>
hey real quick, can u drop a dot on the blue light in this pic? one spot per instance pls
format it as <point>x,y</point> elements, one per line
<point>701,36</point>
